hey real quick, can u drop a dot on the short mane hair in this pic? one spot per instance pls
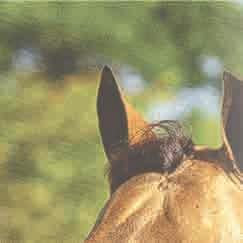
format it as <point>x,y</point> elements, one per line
<point>162,153</point>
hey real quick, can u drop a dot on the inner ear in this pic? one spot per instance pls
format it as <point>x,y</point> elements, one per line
<point>111,111</point>
<point>232,117</point>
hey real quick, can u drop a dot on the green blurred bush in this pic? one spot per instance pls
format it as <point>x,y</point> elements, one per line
<point>52,164</point>
<point>151,37</point>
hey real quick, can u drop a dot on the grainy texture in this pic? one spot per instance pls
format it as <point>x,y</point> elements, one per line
<point>192,198</point>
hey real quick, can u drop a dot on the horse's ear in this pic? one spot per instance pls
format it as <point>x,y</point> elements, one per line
<point>118,121</point>
<point>232,117</point>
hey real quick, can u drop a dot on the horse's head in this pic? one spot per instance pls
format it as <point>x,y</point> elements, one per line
<point>132,145</point>
<point>144,156</point>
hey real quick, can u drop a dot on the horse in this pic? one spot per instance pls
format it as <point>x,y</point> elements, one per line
<point>163,187</point>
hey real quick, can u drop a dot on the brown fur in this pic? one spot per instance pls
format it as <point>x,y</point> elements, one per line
<point>165,189</point>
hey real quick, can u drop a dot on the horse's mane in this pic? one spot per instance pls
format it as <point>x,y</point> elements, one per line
<point>162,152</point>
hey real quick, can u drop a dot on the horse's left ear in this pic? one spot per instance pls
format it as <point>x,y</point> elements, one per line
<point>118,121</point>
<point>232,117</point>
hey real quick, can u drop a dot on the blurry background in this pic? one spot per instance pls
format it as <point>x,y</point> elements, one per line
<point>169,59</point>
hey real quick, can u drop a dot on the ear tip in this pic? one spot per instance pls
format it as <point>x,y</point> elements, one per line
<point>107,75</point>
<point>227,75</point>
<point>106,71</point>
<point>107,83</point>
<point>230,77</point>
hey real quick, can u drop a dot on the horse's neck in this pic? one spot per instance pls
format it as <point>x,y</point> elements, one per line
<point>195,204</point>
<point>130,208</point>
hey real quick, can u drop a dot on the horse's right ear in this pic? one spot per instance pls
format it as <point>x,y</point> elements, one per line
<point>118,121</point>
<point>232,118</point>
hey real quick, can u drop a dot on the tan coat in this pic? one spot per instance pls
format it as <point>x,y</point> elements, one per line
<point>201,201</point>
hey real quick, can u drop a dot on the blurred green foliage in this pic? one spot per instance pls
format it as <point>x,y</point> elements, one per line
<point>52,162</point>
<point>152,37</point>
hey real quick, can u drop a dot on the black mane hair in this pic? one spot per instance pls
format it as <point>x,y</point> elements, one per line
<point>161,153</point>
